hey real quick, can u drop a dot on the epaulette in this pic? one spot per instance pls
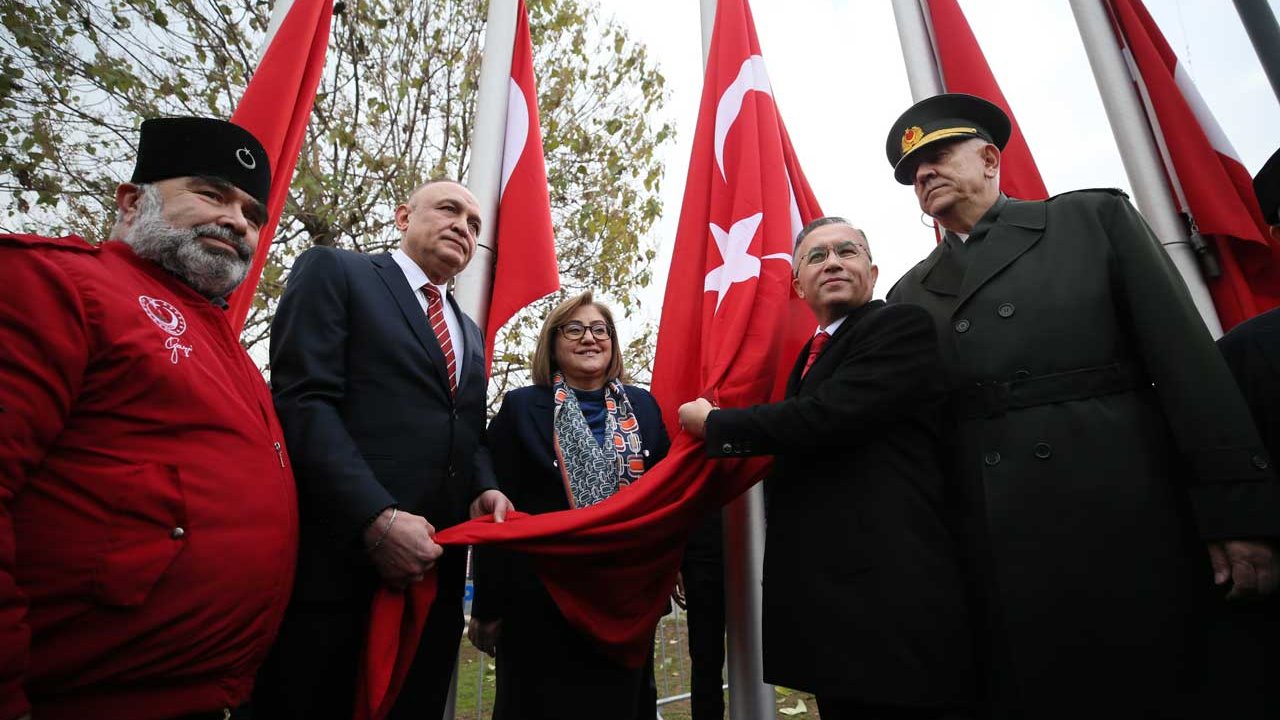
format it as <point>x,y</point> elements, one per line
<point>1109,191</point>
<point>74,243</point>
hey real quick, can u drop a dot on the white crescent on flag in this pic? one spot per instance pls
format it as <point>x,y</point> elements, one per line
<point>751,76</point>
<point>517,131</point>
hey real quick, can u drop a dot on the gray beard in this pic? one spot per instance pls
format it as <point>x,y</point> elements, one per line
<point>212,273</point>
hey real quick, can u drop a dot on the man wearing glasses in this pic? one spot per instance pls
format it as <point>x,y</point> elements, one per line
<point>379,381</point>
<point>863,601</point>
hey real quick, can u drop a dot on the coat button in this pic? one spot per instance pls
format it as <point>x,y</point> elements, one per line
<point>962,325</point>
<point>177,533</point>
<point>1043,450</point>
<point>1005,310</point>
<point>1259,462</point>
<point>992,458</point>
<point>1022,374</point>
<point>727,448</point>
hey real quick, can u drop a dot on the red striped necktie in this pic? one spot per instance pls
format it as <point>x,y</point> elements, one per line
<point>435,314</point>
<point>815,349</point>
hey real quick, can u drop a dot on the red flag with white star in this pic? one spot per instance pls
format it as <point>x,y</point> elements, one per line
<point>731,329</point>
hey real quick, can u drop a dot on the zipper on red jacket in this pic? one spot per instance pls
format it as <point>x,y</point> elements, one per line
<point>279,453</point>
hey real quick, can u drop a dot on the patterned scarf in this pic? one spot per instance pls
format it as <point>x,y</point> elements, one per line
<point>592,473</point>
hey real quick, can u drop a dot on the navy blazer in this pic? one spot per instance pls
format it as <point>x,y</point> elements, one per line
<point>520,442</point>
<point>360,385</point>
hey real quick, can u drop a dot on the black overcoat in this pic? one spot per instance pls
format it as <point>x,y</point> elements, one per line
<point>863,596</point>
<point>1099,437</point>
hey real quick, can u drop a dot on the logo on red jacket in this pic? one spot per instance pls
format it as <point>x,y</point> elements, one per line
<point>169,319</point>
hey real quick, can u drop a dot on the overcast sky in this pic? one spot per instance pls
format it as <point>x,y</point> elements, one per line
<point>839,80</point>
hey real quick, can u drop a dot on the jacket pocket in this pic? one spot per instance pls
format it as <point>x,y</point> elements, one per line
<point>146,517</point>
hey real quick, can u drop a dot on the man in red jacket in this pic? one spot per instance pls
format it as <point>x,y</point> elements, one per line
<point>148,521</point>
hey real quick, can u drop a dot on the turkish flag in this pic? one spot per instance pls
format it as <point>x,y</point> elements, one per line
<point>964,69</point>
<point>1208,179</point>
<point>525,269</point>
<point>275,108</point>
<point>731,328</point>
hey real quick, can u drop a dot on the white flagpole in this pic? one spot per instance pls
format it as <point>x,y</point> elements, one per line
<point>1138,151</point>
<point>279,12</point>
<point>749,697</point>
<point>473,286</point>
<point>916,39</point>
<point>484,179</point>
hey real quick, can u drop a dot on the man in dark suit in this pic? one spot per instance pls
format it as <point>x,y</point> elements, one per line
<point>863,599</point>
<point>1249,633</point>
<point>379,381</point>
<point>1103,449</point>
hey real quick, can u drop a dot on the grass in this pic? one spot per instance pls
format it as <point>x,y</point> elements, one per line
<point>671,673</point>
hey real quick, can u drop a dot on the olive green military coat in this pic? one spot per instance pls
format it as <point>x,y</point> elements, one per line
<point>1099,439</point>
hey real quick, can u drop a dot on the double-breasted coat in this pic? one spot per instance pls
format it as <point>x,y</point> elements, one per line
<point>1099,439</point>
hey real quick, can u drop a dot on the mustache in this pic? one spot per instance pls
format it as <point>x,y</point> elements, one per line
<point>218,232</point>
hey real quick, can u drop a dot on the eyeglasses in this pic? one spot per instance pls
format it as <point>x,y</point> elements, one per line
<point>819,255</point>
<point>575,330</point>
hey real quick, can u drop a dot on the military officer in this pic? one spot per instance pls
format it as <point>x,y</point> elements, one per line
<point>1114,484</point>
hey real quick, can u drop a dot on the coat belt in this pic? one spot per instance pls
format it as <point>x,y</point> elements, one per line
<point>993,398</point>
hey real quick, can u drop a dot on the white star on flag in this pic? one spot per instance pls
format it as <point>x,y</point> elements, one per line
<point>738,265</point>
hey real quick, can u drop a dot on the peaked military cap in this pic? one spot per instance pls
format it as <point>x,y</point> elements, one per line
<point>1267,187</point>
<point>950,116</point>
<point>188,146</point>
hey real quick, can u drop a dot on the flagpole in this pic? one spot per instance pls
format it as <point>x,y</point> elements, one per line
<point>484,179</point>
<point>917,49</point>
<point>1260,23</point>
<point>279,11</point>
<point>1142,162</point>
<point>749,697</point>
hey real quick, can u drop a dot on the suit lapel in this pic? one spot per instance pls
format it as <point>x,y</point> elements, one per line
<point>1020,226</point>
<point>842,332</point>
<point>393,277</point>
<point>473,347</point>
<point>542,416</point>
<point>942,273</point>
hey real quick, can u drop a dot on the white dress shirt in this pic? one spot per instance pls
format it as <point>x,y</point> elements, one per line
<point>417,281</point>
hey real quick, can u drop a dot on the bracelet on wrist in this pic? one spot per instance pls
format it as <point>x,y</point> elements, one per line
<point>385,531</point>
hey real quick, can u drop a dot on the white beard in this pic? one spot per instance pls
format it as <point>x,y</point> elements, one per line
<point>212,273</point>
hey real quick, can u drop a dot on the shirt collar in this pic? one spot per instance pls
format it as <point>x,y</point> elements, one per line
<point>833,327</point>
<point>413,273</point>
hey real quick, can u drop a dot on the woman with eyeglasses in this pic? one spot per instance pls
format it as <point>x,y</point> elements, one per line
<point>574,438</point>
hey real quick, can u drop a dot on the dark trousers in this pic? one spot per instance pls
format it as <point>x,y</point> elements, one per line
<point>311,672</point>
<point>836,708</point>
<point>704,595</point>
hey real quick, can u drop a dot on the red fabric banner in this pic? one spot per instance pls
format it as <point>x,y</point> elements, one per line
<point>964,69</point>
<point>731,328</point>
<point>1207,178</point>
<point>525,245</point>
<point>275,108</point>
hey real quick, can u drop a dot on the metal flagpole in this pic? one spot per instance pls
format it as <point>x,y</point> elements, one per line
<point>749,697</point>
<point>917,49</point>
<point>473,286</point>
<point>484,179</point>
<point>1142,162</point>
<point>1260,22</point>
<point>279,12</point>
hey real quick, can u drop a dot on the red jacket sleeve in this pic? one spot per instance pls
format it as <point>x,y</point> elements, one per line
<point>44,334</point>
